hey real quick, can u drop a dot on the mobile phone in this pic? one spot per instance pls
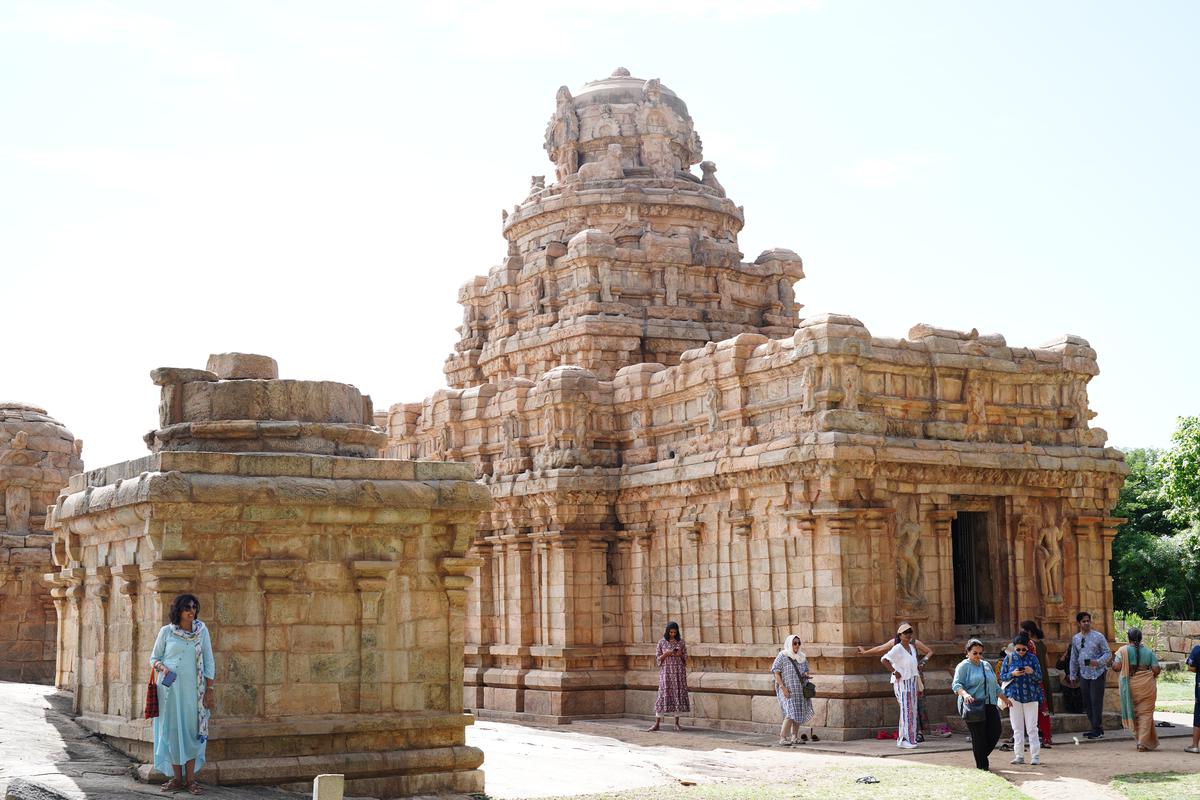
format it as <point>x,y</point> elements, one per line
<point>1087,662</point>
<point>169,678</point>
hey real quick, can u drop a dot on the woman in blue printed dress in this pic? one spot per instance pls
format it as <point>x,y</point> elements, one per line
<point>1021,683</point>
<point>183,660</point>
<point>790,672</point>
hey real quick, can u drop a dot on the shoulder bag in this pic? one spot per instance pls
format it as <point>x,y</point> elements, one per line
<point>151,698</point>
<point>807,689</point>
<point>976,711</point>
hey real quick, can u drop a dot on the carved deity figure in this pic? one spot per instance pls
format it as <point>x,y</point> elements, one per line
<point>657,155</point>
<point>604,273</point>
<point>850,387</point>
<point>976,401</point>
<point>468,323</point>
<point>908,562</point>
<point>562,135</point>
<point>1050,563</point>
<point>808,388</point>
<point>712,406</point>
<point>606,125</point>
<point>582,428</point>
<point>787,296</point>
<point>671,284</point>
<point>539,294</point>
<point>550,428</point>
<point>537,183</point>
<point>710,177</point>
<point>1079,400</point>
<point>512,432</point>
<point>607,168</point>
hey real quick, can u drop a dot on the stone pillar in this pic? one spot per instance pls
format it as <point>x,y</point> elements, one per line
<point>333,584</point>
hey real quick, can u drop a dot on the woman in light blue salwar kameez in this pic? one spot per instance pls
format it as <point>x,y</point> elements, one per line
<point>181,727</point>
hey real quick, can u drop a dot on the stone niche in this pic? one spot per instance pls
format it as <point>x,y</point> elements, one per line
<point>333,584</point>
<point>37,455</point>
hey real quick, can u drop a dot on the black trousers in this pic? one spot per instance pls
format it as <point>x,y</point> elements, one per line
<point>984,735</point>
<point>1093,701</point>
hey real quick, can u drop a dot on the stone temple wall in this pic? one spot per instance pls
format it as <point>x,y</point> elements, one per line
<point>37,455</point>
<point>333,584</point>
<point>701,454</point>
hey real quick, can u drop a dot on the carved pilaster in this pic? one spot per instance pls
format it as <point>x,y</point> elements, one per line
<point>370,581</point>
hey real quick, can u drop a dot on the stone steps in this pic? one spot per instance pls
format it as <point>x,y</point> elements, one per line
<point>1059,723</point>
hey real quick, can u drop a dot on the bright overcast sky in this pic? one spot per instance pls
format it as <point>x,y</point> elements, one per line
<point>313,181</point>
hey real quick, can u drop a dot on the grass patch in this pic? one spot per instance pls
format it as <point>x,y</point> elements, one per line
<point>1176,691</point>
<point>1157,785</point>
<point>909,782</point>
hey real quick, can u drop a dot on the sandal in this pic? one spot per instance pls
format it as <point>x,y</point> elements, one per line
<point>194,788</point>
<point>784,743</point>
<point>804,738</point>
<point>173,785</point>
<point>1163,725</point>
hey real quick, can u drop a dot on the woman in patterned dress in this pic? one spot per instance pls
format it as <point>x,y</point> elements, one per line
<point>790,671</point>
<point>902,662</point>
<point>672,677</point>
<point>183,659</point>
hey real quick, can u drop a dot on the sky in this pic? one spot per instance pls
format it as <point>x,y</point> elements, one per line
<point>313,181</point>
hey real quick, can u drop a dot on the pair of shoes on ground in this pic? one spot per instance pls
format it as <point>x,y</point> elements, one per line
<point>176,785</point>
<point>1191,749</point>
<point>1034,761</point>
<point>906,745</point>
<point>1094,735</point>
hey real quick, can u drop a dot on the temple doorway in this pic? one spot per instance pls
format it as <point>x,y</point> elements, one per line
<point>973,589</point>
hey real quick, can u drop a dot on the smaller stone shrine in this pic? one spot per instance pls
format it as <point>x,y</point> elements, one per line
<point>333,584</point>
<point>37,455</point>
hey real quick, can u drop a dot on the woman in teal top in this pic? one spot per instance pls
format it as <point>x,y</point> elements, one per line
<point>975,680</point>
<point>183,659</point>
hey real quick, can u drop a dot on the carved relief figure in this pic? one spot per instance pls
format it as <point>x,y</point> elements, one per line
<point>976,401</point>
<point>537,183</point>
<point>725,290</point>
<point>608,168</point>
<point>909,575</point>
<point>581,428</point>
<point>671,284</point>
<point>657,155</point>
<point>787,297</point>
<point>710,177</point>
<point>850,387</point>
<point>1079,401</point>
<point>712,406</point>
<point>606,125</point>
<point>1050,563</point>
<point>539,294</point>
<point>512,432</point>
<point>469,319</point>
<point>604,273</point>
<point>562,136</point>
<point>807,389</point>
<point>550,428</point>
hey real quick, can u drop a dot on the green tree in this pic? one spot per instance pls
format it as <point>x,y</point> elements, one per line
<point>1180,470</point>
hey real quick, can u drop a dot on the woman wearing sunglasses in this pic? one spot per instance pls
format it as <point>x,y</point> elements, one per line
<point>183,660</point>
<point>1021,682</point>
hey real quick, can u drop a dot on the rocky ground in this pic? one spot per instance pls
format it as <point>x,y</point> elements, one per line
<point>40,746</point>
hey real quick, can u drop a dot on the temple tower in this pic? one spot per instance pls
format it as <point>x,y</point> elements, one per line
<point>664,438</point>
<point>37,456</point>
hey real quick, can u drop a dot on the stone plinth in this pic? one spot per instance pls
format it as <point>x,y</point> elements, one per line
<point>37,456</point>
<point>333,586</point>
<point>666,439</point>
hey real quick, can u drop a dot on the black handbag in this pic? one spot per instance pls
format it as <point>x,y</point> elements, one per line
<point>974,712</point>
<point>807,689</point>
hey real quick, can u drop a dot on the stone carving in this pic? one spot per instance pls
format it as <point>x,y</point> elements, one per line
<point>712,406</point>
<point>1079,403</point>
<point>606,125</point>
<point>562,136</point>
<point>1050,563</point>
<point>550,429</point>
<point>607,168</point>
<point>657,155</point>
<point>604,273</point>
<point>910,577</point>
<point>537,185</point>
<point>850,387</point>
<point>512,433</point>
<point>787,297</point>
<point>976,401</point>
<point>671,284</point>
<point>710,177</point>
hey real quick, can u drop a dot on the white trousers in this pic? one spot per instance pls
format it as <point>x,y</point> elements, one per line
<point>1024,719</point>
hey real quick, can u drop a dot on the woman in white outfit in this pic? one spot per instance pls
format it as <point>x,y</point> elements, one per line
<point>902,662</point>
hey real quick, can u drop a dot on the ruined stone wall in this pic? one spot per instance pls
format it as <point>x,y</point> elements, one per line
<point>37,455</point>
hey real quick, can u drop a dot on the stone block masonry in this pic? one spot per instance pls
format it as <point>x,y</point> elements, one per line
<point>334,584</point>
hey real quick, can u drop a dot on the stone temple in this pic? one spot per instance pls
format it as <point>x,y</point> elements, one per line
<point>665,438</point>
<point>37,456</point>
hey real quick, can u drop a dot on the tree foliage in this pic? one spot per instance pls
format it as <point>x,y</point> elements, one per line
<point>1156,553</point>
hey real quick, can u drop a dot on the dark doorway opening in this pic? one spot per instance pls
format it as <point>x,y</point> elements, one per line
<point>973,599</point>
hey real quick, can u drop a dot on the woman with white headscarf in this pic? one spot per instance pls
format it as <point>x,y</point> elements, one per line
<point>790,671</point>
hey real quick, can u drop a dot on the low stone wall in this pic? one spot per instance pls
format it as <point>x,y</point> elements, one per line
<point>1176,638</point>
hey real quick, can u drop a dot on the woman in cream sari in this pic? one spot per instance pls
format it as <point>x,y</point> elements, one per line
<point>1138,668</point>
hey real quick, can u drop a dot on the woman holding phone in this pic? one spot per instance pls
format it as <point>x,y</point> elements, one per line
<point>671,656</point>
<point>183,660</point>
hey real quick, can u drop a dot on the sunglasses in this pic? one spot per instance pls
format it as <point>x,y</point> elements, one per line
<point>1021,650</point>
